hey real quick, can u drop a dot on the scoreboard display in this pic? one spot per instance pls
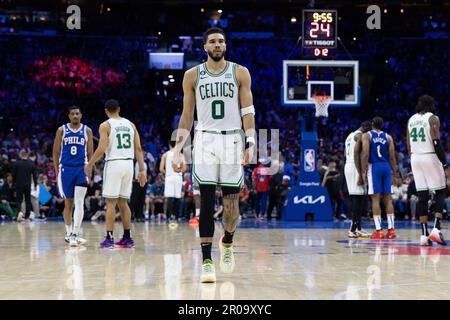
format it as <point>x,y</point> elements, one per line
<point>319,29</point>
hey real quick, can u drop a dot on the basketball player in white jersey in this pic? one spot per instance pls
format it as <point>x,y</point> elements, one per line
<point>221,92</point>
<point>428,165</point>
<point>352,171</point>
<point>120,142</point>
<point>173,183</point>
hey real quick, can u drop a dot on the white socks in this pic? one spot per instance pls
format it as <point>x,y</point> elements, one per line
<point>80,193</point>
<point>377,220</point>
<point>390,219</point>
<point>197,212</point>
<point>68,229</point>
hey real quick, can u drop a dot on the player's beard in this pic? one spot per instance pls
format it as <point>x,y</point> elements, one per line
<point>216,58</point>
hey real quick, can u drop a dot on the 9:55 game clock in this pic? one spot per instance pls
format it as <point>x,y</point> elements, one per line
<point>319,29</point>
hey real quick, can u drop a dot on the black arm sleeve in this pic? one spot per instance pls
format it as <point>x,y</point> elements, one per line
<point>440,152</point>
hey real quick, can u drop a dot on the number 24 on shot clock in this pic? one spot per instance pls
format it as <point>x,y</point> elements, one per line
<point>319,29</point>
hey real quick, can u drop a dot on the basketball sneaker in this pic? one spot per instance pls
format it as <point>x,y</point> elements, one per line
<point>363,233</point>
<point>107,243</point>
<point>20,216</point>
<point>352,234</point>
<point>226,257</point>
<point>377,234</point>
<point>436,236</point>
<point>194,220</point>
<point>208,271</point>
<point>67,238</point>
<point>391,234</point>
<point>125,243</point>
<point>73,241</point>
<point>425,242</point>
<point>81,240</point>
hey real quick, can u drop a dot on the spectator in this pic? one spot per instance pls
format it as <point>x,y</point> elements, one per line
<point>24,172</point>
<point>290,171</point>
<point>188,197</point>
<point>94,202</point>
<point>284,193</point>
<point>331,183</point>
<point>399,199</point>
<point>261,176</point>
<point>137,200</point>
<point>8,199</point>
<point>244,205</point>
<point>157,198</point>
<point>275,183</point>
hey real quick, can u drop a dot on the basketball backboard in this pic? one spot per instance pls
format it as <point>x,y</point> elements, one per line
<point>302,79</point>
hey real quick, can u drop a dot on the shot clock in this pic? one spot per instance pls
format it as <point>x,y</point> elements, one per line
<point>319,31</point>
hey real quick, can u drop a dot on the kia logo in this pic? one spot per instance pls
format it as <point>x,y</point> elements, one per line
<point>309,200</point>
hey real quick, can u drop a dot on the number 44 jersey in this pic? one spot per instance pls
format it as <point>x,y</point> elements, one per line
<point>419,134</point>
<point>121,140</point>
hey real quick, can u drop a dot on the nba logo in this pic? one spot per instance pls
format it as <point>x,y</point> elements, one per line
<point>309,160</point>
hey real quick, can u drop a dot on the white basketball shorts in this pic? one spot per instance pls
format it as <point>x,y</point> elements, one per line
<point>351,177</point>
<point>118,179</point>
<point>218,159</point>
<point>428,172</point>
<point>173,186</point>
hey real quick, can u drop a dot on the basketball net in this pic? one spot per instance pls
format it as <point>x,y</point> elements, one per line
<point>321,103</point>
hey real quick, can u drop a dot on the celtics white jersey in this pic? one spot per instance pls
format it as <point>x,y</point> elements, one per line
<point>419,134</point>
<point>350,144</point>
<point>121,140</point>
<point>217,99</point>
<point>168,164</point>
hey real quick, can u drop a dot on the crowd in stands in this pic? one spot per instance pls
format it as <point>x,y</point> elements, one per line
<point>42,76</point>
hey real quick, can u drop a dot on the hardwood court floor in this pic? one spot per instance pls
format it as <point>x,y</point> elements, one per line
<point>277,260</point>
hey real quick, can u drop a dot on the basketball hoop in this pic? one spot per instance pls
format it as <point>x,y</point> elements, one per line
<point>322,103</point>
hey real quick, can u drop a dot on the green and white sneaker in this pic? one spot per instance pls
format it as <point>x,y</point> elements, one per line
<point>208,272</point>
<point>226,257</point>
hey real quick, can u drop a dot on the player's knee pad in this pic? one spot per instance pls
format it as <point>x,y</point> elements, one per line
<point>439,201</point>
<point>422,204</point>
<point>206,220</point>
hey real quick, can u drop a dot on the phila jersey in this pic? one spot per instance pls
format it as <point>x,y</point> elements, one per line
<point>74,146</point>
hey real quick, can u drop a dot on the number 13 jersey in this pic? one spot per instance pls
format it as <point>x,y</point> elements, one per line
<point>121,140</point>
<point>217,99</point>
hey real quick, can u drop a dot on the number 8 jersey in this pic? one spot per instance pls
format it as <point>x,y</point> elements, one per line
<point>74,146</point>
<point>217,99</point>
<point>121,140</point>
